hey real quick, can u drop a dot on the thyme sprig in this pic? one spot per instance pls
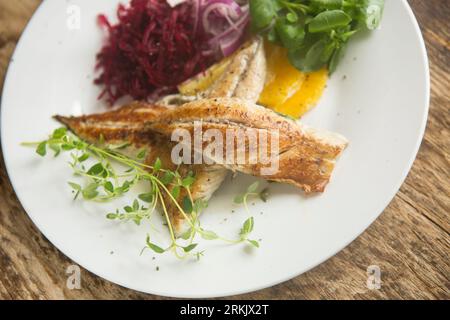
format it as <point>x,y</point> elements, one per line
<point>104,182</point>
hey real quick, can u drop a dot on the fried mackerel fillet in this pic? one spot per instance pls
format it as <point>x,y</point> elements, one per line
<point>306,157</point>
<point>244,78</point>
<point>126,125</point>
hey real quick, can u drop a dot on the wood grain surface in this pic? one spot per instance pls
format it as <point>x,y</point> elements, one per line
<point>409,242</point>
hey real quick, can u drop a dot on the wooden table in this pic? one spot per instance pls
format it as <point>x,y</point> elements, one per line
<point>410,241</point>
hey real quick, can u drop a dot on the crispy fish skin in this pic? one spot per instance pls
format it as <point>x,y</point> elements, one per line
<point>306,157</point>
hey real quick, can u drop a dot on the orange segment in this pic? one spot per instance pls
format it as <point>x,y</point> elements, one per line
<point>288,90</point>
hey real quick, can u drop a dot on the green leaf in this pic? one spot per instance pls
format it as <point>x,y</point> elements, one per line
<point>83,157</point>
<point>263,195</point>
<point>187,205</point>
<point>141,155</point>
<point>254,243</point>
<point>56,148</point>
<point>373,12</point>
<point>67,147</point>
<point>157,165</point>
<point>190,247</point>
<point>42,149</point>
<point>335,60</point>
<point>188,181</point>
<point>146,197</point>
<point>59,133</point>
<point>155,248</point>
<point>291,35</point>
<point>308,59</point>
<point>111,216</point>
<point>292,17</point>
<point>326,4</point>
<point>329,20</point>
<point>90,192</point>
<point>187,234</point>
<point>176,191</point>
<point>135,205</point>
<point>75,186</point>
<point>263,12</point>
<point>239,199</point>
<point>252,188</point>
<point>109,186</point>
<point>96,169</point>
<point>167,177</point>
<point>208,235</point>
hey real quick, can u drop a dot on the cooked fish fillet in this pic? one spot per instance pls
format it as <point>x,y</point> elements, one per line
<point>127,125</point>
<point>245,76</point>
<point>305,157</point>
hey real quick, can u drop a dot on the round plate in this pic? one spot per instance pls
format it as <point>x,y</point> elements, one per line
<point>378,99</point>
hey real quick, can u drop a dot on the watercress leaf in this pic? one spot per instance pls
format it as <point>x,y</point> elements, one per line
<point>328,52</point>
<point>329,20</point>
<point>146,197</point>
<point>263,12</point>
<point>190,247</point>
<point>252,188</point>
<point>254,243</point>
<point>272,36</point>
<point>291,35</point>
<point>42,149</point>
<point>128,209</point>
<point>208,235</point>
<point>292,16</point>
<point>310,60</point>
<point>326,4</point>
<point>335,60</point>
<point>373,11</point>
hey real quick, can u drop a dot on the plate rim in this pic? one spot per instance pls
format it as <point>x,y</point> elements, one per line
<point>385,204</point>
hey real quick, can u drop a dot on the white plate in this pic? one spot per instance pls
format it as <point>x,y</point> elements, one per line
<point>381,107</point>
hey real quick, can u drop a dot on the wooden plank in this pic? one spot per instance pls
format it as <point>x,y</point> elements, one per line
<point>409,242</point>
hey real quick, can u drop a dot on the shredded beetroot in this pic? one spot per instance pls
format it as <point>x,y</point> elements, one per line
<point>151,50</point>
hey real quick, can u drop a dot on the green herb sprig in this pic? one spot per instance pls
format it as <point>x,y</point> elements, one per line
<point>315,32</point>
<point>104,183</point>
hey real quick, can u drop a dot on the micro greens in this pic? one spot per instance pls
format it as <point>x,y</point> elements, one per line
<point>315,32</point>
<point>105,183</point>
